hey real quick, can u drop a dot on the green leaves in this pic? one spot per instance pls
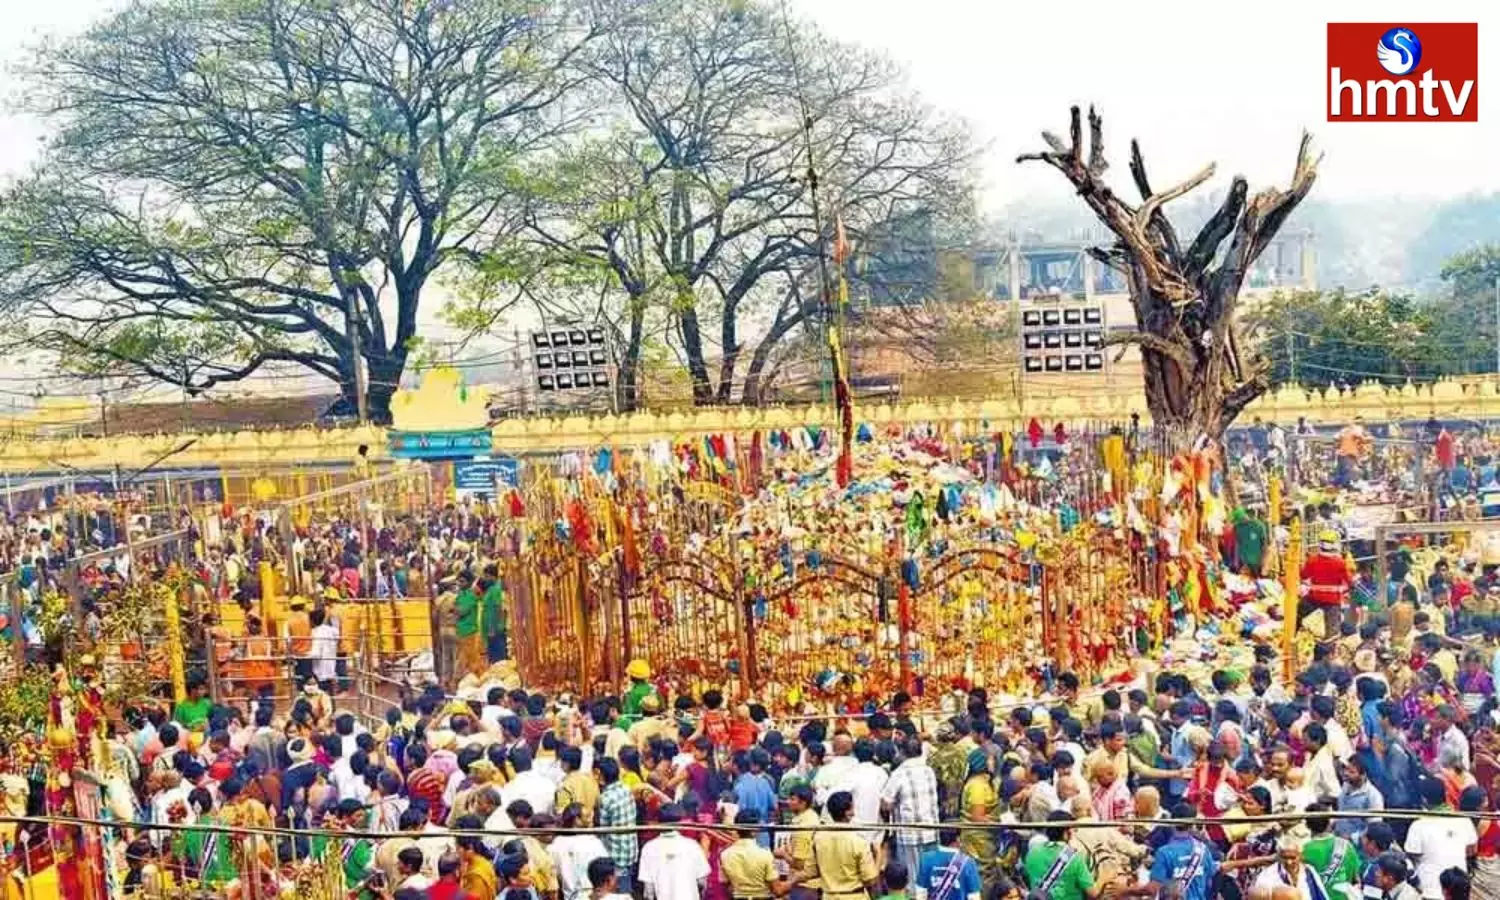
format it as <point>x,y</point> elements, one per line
<point>217,166</point>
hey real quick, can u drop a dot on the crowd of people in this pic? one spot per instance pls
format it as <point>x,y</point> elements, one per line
<point>1241,783</point>
<point>481,800</point>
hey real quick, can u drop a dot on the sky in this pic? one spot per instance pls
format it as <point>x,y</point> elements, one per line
<point>1195,82</point>
<point>1234,84</point>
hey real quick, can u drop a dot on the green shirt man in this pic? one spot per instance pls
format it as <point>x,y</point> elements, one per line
<point>357,856</point>
<point>1335,859</point>
<point>192,713</point>
<point>209,852</point>
<point>493,611</point>
<point>467,606</point>
<point>639,673</point>
<point>1073,882</point>
<point>1250,539</point>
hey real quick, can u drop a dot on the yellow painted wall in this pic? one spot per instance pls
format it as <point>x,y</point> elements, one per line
<point>1476,398</point>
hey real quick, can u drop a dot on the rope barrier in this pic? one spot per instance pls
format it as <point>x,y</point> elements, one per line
<point>656,828</point>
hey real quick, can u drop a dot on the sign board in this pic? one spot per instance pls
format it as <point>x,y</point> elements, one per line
<point>479,476</point>
<point>440,444</point>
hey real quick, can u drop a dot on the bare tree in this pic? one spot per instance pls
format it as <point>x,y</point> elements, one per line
<point>1197,375</point>
<point>692,195</point>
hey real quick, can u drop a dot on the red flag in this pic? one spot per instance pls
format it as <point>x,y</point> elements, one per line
<point>841,249</point>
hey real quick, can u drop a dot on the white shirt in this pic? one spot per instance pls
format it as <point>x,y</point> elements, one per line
<point>1322,776</point>
<point>450,790</point>
<point>417,882</point>
<point>348,785</point>
<point>551,769</point>
<point>490,716</point>
<point>531,786</point>
<point>435,842</point>
<point>1338,741</point>
<point>1453,745</point>
<point>325,647</point>
<point>498,821</point>
<point>672,867</point>
<point>1272,877</point>
<point>830,778</point>
<point>1439,845</point>
<point>572,854</point>
<point>1076,751</point>
<point>867,783</point>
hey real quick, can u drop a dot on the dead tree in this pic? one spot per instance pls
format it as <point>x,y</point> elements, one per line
<point>1196,376</point>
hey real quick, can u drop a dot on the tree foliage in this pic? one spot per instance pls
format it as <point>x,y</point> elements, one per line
<point>233,184</point>
<point>1325,339</point>
<point>685,217</point>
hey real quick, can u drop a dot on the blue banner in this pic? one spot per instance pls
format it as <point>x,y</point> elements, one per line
<point>440,444</point>
<point>481,475</point>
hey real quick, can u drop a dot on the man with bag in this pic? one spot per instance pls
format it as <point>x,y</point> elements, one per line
<point>946,872</point>
<point>1055,870</point>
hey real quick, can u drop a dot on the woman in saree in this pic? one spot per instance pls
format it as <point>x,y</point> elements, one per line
<point>1486,746</point>
<point>1486,865</point>
<point>977,805</point>
<point>1252,846</point>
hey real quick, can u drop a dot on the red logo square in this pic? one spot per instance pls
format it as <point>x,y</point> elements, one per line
<point>1403,72</point>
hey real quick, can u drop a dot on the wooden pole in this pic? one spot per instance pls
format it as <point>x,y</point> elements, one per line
<point>1291,586</point>
<point>585,627</point>
<point>17,607</point>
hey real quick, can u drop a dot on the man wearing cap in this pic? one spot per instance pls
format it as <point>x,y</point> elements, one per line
<point>639,673</point>
<point>1325,575</point>
<point>651,723</point>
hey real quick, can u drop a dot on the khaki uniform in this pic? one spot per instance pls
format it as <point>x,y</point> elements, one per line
<point>543,869</point>
<point>748,869</point>
<point>800,847</point>
<point>582,789</point>
<point>845,863</point>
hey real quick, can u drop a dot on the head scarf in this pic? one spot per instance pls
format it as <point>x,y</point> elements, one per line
<point>979,761</point>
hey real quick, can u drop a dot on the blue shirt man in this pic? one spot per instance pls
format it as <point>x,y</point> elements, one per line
<point>752,789</point>
<point>946,873</point>
<point>1185,860</point>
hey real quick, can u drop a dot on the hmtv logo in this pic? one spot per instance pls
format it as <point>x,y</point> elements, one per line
<point>1411,72</point>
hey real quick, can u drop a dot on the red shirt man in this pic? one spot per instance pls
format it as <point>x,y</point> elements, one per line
<point>1326,574</point>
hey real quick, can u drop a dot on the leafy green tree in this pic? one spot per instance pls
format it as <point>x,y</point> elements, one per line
<point>686,215</point>
<point>1333,338</point>
<point>233,184</point>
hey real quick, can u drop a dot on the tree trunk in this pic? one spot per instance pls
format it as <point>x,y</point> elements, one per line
<point>629,374</point>
<point>692,345</point>
<point>1184,296</point>
<point>754,391</point>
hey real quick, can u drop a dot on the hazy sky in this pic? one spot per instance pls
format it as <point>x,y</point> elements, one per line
<point>1196,82</point>
<point>1232,83</point>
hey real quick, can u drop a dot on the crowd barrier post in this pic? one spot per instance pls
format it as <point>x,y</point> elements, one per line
<point>175,662</point>
<point>1291,589</point>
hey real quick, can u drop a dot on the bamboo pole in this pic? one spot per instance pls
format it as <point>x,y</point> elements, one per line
<point>1291,585</point>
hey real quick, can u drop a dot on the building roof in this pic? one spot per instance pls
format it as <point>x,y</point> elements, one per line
<point>230,414</point>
